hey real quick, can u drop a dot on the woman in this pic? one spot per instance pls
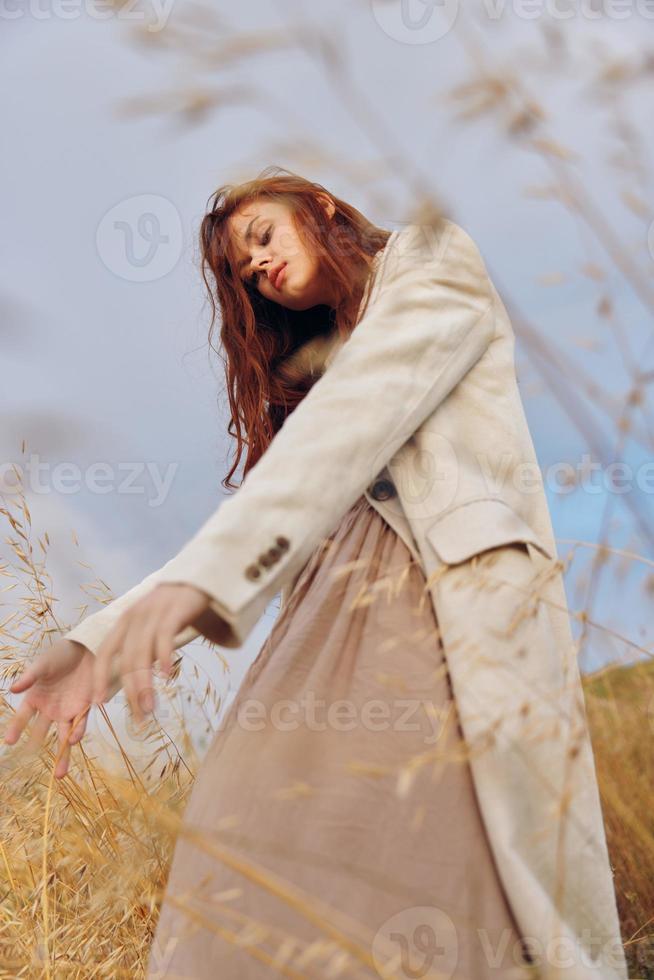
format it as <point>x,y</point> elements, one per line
<point>370,375</point>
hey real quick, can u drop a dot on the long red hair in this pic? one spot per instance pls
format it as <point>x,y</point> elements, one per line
<point>256,333</point>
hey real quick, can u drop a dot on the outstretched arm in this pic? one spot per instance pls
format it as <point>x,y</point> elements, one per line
<point>430,321</point>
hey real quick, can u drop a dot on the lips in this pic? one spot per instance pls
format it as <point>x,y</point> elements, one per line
<point>277,275</point>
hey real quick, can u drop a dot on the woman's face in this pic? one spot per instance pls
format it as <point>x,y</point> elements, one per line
<point>272,256</point>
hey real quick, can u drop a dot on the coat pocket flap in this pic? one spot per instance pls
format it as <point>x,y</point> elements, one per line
<point>476,525</point>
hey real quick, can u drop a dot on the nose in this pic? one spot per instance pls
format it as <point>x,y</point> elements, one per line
<point>263,263</point>
<point>263,266</point>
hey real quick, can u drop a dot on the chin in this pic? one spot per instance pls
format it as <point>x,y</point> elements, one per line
<point>296,303</point>
<point>300,299</point>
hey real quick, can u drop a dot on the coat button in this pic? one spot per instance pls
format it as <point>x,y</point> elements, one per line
<point>252,572</point>
<point>268,558</point>
<point>383,489</point>
<point>283,542</point>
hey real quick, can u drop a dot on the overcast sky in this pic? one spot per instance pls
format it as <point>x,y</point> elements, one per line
<point>104,347</point>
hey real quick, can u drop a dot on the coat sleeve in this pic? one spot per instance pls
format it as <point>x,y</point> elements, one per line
<point>431,319</point>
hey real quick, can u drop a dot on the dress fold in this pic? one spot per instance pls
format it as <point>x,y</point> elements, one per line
<point>338,779</point>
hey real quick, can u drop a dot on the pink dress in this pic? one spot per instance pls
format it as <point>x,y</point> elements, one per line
<point>341,824</point>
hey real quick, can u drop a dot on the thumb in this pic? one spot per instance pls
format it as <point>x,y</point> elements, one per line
<point>25,680</point>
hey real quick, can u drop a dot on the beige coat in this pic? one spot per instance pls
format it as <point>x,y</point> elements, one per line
<point>420,410</point>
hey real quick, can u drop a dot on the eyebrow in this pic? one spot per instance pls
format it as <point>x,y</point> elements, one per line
<point>248,236</point>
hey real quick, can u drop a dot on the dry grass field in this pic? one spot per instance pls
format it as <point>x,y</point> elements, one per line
<point>84,859</point>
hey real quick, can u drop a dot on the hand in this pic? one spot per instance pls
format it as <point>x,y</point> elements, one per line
<point>58,684</point>
<point>144,634</point>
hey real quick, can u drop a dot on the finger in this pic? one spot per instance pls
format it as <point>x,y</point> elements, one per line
<point>37,735</point>
<point>25,679</point>
<point>63,750</point>
<point>138,688</point>
<point>136,672</point>
<point>17,724</point>
<point>80,728</point>
<point>108,649</point>
<point>69,732</point>
<point>164,645</point>
<point>144,674</point>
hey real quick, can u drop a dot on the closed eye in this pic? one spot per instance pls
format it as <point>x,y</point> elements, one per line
<point>254,276</point>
